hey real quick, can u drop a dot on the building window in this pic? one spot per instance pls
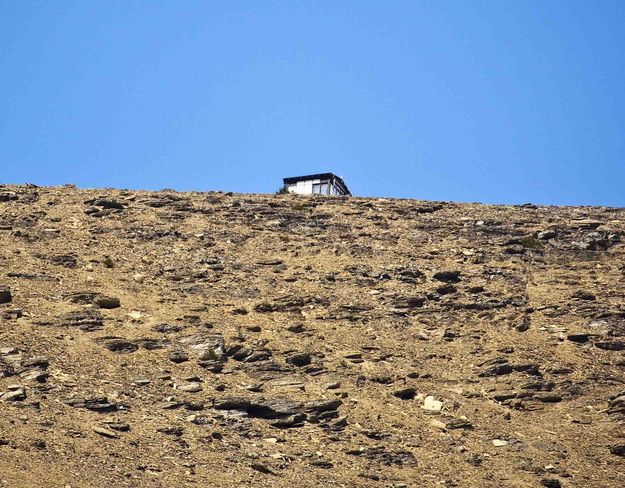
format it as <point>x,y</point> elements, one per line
<point>322,188</point>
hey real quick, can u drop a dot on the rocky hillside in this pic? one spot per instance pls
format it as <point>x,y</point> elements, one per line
<point>215,339</point>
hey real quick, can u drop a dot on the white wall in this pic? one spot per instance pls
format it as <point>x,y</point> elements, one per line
<point>303,187</point>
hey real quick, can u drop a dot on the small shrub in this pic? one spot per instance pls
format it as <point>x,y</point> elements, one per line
<point>531,243</point>
<point>300,207</point>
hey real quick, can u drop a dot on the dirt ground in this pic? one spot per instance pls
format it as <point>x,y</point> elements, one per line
<point>214,339</point>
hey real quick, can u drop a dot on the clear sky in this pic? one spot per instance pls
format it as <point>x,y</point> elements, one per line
<point>499,101</point>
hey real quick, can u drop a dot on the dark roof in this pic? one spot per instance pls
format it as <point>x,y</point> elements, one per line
<point>319,176</point>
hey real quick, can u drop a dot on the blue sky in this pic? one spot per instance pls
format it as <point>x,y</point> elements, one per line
<point>491,101</point>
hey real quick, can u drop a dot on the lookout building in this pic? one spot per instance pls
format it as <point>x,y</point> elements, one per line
<point>319,184</point>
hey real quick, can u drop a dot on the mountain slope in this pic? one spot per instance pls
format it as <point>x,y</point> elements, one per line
<point>212,339</point>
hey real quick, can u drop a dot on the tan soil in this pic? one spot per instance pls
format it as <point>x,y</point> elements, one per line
<point>525,348</point>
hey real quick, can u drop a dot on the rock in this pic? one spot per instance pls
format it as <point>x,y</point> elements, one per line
<point>38,375</point>
<point>323,405</point>
<point>548,397</point>
<point>579,337</point>
<point>405,393</point>
<point>296,420</point>
<point>232,403</point>
<point>104,301</point>
<point>476,289</point>
<point>447,276</point>
<point>138,277</point>
<point>270,262</point>
<point>551,483</point>
<point>500,442</point>
<point>496,367</point>
<point>546,235</point>
<point>611,345</point>
<point>385,457</point>
<point>178,357</point>
<point>121,346</point>
<point>503,396</point>
<point>5,295</point>
<point>299,359</point>
<point>81,297</point>
<point>104,432</point>
<point>173,431</point>
<point>212,366</point>
<point>118,426</point>
<point>87,320</point>
<point>450,335</point>
<point>438,424</point>
<point>255,387</point>
<point>97,404</point>
<point>497,370</point>
<point>151,344</point>
<point>171,405</point>
<point>586,224</point>
<point>6,370</point>
<point>340,423</point>
<point>584,295</point>
<point>105,203</point>
<point>166,328</point>
<point>539,385</point>
<point>261,468</point>
<point>209,347</point>
<point>8,196</point>
<point>618,450</point>
<point>451,423</point>
<point>296,328</point>
<point>616,404</point>
<point>12,314</point>
<point>446,289</point>
<point>36,362</point>
<point>16,395</point>
<point>65,260</point>
<point>39,444</point>
<point>430,404</point>
<point>288,303</point>
<point>190,387</point>
<point>353,356</point>
<point>255,356</point>
<point>407,275</point>
<point>286,413</point>
<point>274,408</point>
<point>514,249</point>
<point>410,302</point>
